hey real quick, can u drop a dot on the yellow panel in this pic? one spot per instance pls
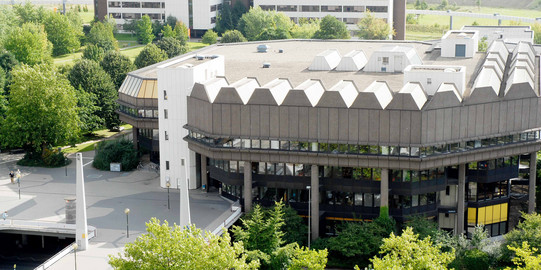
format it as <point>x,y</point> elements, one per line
<point>488,214</point>
<point>141,93</point>
<point>504,207</point>
<point>472,213</point>
<point>155,91</point>
<point>150,88</point>
<point>496,214</point>
<point>481,217</point>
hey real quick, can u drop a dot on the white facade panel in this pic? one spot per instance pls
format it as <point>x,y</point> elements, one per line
<point>453,39</point>
<point>431,77</point>
<point>178,83</point>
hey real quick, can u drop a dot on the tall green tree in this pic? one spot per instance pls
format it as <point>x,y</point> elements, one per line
<point>373,28</point>
<point>102,36</point>
<point>29,13</point>
<point>42,110</point>
<point>164,247</point>
<point>93,52</point>
<point>8,19</point>
<point>528,230</point>
<point>181,31</point>
<point>87,109</point>
<point>167,31</point>
<point>150,55</point>
<point>90,76</point>
<point>144,30</point>
<point>62,34</point>
<point>332,28</point>
<point>258,24</point>
<point>117,66</point>
<point>171,46</point>
<point>306,28</point>
<point>29,44</point>
<point>408,252</point>
<point>224,19</point>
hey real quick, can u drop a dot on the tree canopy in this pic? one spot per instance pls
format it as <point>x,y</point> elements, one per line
<point>408,252</point>
<point>210,37</point>
<point>231,36</point>
<point>373,28</point>
<point>117,66</point>
<point>528,230</point>
<point>258,24</point>
<point>172,46</point>
<point>151,54</point>
<point>102,36</point>
<point>144,30</point>
<point>165,247</point>
<point>90,76</point>
<point>29,44</point>
<point>62,33</point>
<point>332,28</point>
<point>42,110</point>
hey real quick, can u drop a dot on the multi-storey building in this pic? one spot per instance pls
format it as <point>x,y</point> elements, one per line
<point>201,15</point>
<point>349,11</point>
<point>348,127</point>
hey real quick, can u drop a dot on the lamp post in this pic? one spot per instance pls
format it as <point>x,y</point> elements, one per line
<point>127,212</point>
<point>18,175</point>
<point>75,247</point>
<point>168,185</point>
<point>309,208</point>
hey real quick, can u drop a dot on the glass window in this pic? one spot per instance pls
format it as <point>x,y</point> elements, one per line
<point>359,199</point>
<point>396,175</point>
<point>376,174</point>
<point>165,115</point>
<point>233,166</point>
<point>267,7</point>
<point>364,149</point>
<point>333,148</point>
<point>415,176</point>
<point>385,150</point>
<point>265,144</point>
<point>415,200</point>
<point>374,150</point>
<point>289,169</point>
<point>331,8</point>
<point>167,165</point>
<point>237,143</point>
<point>275,145</point>
<point>294,146</point>
<point>246,143</point>
<point>241,166</point>
<point>414,151</point>
<point>280,169</point>
<point>353,8</point>
<point>368,199</point>
<point>424,175</point>
<point>284,145</point>
<point>423,200</point>
<point>393,150</point>
<point>286,8</point>
<point>270,169</point>
<point>377,9</point>
<point>256,144</point>
<point>404,151</point>
<point>385,60</point>
<point>310,8</point>
<point>261,168</point>
<point>304,146</point>
<point>406,176</point>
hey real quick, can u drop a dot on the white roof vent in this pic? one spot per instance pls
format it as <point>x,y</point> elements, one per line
<point>266,65</point>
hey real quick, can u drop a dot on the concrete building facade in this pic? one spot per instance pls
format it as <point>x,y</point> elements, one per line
<point>262,127</point>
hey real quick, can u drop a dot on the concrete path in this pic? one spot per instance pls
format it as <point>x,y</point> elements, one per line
<point>107,193</point>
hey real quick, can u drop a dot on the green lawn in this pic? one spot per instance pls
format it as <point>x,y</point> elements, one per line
<point>96,135</point>
<point>458,22</point>
<point>196,45</point>
<point>68,59</point>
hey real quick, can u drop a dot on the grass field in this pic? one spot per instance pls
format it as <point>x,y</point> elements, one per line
<point>97,135</point>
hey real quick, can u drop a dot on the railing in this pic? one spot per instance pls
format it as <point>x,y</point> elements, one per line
<point>237,211</point>
<point>48,263</point>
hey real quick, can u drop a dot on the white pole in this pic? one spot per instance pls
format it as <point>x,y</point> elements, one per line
<point>81,229</point>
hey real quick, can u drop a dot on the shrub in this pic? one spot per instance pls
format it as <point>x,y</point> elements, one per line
<point>231,36</point>
<point>209,37</point>
<point>94,53</point>
<point>50,158</point>
<point>118,151</point>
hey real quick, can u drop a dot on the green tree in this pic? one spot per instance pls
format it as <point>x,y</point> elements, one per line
<point>167,31</point>
<point>117,151</point>
<point>295,231</point>
<point>144,30</point>
<point>157,27</point>
<point>171,46</point>
<point>102,36</point>
<point>8,19</point>
<point>93,52</point>
<point>224,20</point>
<point>231,36</point>
<point>165,247</point>
<point>306,28</point>
<point>210,37</point>
<point>117,66</point>
<point>408,252</point>
<point>422,227</point>
<point>528,230</point>
<point>29,13</point>
<point>258,24</point>
<point>373,28</point>
<point>357,242</point>
<point>29,44</point>
<point>443,5</point>
<point>526,258</point>
<point>46,104</point>
<point>304,258</point>
<point>171,21</point>
<point>61,33</point>
<point>478,4</point>
<point>150,55</point>
<point>181,31</point>
<point>332,28</point>
<point>90,76</point>
<point>86,103</point>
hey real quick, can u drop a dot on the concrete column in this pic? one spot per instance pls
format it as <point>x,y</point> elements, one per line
<point>314,211</point>
<point>135,135</point>
<point>81,227</point>
<point>531,186</point>
<point>204,179</point>
<point>461,192</point>
<point>247,186</point>
<point>384,188</point>
<point>399,19</point>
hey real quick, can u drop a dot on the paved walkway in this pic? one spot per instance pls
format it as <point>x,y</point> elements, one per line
<point>107,195</point>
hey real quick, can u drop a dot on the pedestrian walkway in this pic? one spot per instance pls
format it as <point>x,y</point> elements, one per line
<point>43,191</point>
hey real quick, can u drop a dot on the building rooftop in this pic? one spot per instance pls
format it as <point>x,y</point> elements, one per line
<point>242,60</point>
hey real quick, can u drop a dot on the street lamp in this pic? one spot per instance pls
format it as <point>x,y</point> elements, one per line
<point>127,211</point>
<point>75,247</point>
<point>168,185</point>
<point>309,208</point>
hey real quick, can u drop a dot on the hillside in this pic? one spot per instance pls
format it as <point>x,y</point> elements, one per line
<point>516,4</point>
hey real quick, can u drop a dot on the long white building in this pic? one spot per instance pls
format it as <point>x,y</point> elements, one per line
<point>202,14</point>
